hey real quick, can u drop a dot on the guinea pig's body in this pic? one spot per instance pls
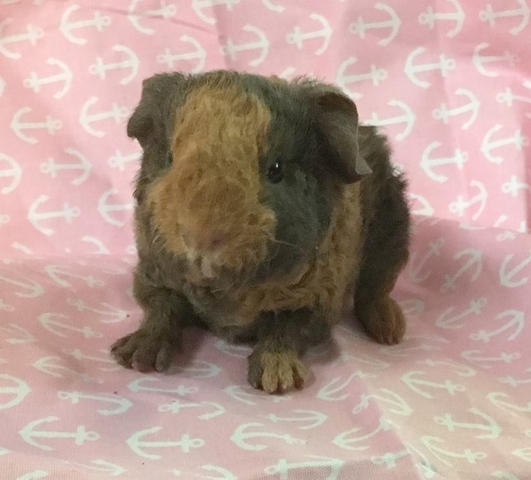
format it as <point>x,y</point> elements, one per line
<point>258,216</point>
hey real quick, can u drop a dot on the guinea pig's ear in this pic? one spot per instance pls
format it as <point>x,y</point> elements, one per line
<point>148,114</point>
<point>337,125</point>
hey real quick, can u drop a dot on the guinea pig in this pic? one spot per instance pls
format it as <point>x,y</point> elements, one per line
<point>262,211</point>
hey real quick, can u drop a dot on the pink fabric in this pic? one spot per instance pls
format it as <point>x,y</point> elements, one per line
<point>450,80</point>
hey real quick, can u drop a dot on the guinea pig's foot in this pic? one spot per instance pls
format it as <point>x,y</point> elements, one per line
<point>383,321</point>
<point>145,351</point>
<point>277,372</point>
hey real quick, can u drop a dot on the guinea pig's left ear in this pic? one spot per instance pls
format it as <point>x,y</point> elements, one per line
<point>337,125</point>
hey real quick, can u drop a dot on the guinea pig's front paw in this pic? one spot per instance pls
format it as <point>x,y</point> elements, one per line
<point>145,351</point>
<point>277,372</point>
<point>384,321</point>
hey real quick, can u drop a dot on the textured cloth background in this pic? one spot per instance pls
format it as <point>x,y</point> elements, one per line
<point>449,80</point>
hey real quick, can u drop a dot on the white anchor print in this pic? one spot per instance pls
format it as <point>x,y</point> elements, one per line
<point>231,49</point>
<point>308,418</point>
<point>518,140</point>
<point>15,387</point>
<point>475,262</point>
<point>110,314</point>
<point>197,54</point>
<point>244,394</point>
<point>283,467</point>
<point>458,321</point>
<point>514,186</point>
<point>507,276</point>
<point>137,385</point>
<point>395,403</point>
<point>33,475</point>
<point>58,273</point>
<point>119,160</point>
<point>138,445</point>
<point>102,467</point>
<point>479,60</point>
<point>458,16</point>
<point>348,441</point>
<point>517,319</point>
<point>242,434</point>
<point>475,356</point>
<point>297,37</point>
<point>99,21</point>
<point>199,6</point>
<point>105,208</point>
<point>271,6</point>
<point>360,27</point>
<point>51,366</point>
<point>426,209</point>
<point>414,269</point>
<point>131,62</point>
<point>51,323</point>
<point>444,113</point>
<point>343,79</point>
<point>459,158</point>
<point>177,406</point>
<point>444,65</point>
<point>29,434</point>
<point>499,399</point>
<point>51,168</point>
<point>438,452</point>
<point>122,404</point>
<point>32,35</point>
<point>19,127</point>
<point>86,119</point>
<point>408,118</point>
<point>21,335</point>
<point>165,11</point>
<point>107,360</point>
<point>35,217</point>
<point>492,429</point>
<point>460,206</point>
<point>489,15</point>
<point>65,77</point>
<point>13,172</point>
<point>413,382</point>
<point>508,97</point>
<point>460,369</point>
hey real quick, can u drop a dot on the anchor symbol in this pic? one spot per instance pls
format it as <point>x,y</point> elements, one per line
<point>316,419</point>
<point>506,277</point>
<point>318,462</point>
<point>330,391</point>
<point>115,314</point>
<point>137,386</point>
<point>517,319</point>
<point>467,454</point>
<point>494,397</point>
<point>185,443</point>
<point>492,428</point>
<point>198,53</point>
<point>199,369</point>
<point>386,396</point>
<point>452,323</point>
<point>360,27</point>
<point>34,82</point>
<point>238,351</point>
<point>105,208</point>
<point>52,168</point>
<point>102,249</point>
<point>444,113</point>
<point>242,434</point>
<point>165,11</point>
<point>412,382</point>
<point>426,210</point>
<point>274,8</point>
<point>199,5</point>
<point>117,113</point>
<point>18,127</point>
<point>461,370</point>
<point>79,355</point>
<point>514,382</point>
<point>242,393</point>
<point>231,49</point>
<point>402,351</point>
<point>408,118</point>
<point>176,406</point>
<point>478,60</point>
<point>25,336</point>
<point>472,356</point>
<point>347,441</point>
<point>118,160</point>
<point>489,16</point>
<point>49,322</point>
<point>37,473</point>
<point>32,34</point>
<point>14,172</point>
<point>98,22</point>
<point>67,212</point>
<point>412,308</point>
<point>508,97</point>
<point>30,288</point>
<point>458,16</point>
<point>460,205</point>
<point>459,158</point>
<point>297,37</point>
<point>414,270</point>
<point>389,459</point>
<point>14,386</point>
<point>57,271</point>
<point>362,358</point>
<point>132,62</point>
<point>80,436</point>
<point>102,466</point>
<point>444,65</point>
<point>376,75</point>
<point>123,403</point>
<point>518,140</point>
<point>476,258</point>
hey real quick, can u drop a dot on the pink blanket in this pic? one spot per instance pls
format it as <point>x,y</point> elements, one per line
<point>448,80</point>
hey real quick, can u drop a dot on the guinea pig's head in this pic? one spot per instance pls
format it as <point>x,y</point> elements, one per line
<point>250,168</point>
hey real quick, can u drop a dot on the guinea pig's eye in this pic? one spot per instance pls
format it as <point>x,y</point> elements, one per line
<point>276,172</point>
<point>170,158</point>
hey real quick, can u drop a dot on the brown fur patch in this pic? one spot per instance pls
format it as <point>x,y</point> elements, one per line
<point>213,185</point>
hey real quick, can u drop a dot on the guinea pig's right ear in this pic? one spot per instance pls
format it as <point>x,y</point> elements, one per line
<point>337,124</point>
<point>149,112</point>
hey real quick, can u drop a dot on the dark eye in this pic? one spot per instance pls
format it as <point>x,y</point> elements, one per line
<point>276,172</point>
